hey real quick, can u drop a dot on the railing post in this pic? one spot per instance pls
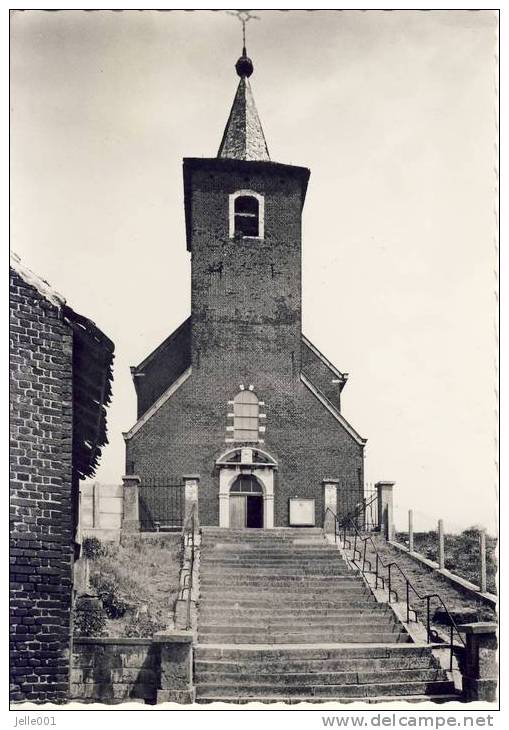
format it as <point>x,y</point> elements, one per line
<point>330,504</point>
<point>428,619</point>
<point>385,513</point>
<point>131,506</point>
<point>376,571</point>
<point>441,545</point>
<point>410,530</point>
<point>407,602</point>
<point>191,482</point>
<point>390,586</point>
<point>482,548</point>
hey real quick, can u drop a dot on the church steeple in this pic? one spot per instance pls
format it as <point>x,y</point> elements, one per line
<point>243,137</point>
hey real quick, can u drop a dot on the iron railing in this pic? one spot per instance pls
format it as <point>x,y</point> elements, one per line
<point>365,513</point>
<point>187,581</point>
<point>161,505</point>
<point>341,527</point>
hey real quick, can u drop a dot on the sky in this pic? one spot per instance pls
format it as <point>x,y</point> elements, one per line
<point>395,113</point>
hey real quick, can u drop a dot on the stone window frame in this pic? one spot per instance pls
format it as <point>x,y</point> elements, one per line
<point>261,213</point>
<point>230,415</point>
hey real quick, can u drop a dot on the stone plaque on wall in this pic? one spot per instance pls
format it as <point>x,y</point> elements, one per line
<point>302,512</point>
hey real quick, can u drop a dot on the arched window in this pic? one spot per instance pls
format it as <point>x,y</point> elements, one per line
<point>245,416</point>
<point>246,484</point>
<point>246,214</point>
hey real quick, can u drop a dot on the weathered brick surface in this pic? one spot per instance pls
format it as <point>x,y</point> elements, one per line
<point>41,519</point>
<point>246,329</point>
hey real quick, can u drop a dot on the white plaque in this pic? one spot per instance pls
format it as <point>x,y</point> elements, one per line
<point>302,512</point>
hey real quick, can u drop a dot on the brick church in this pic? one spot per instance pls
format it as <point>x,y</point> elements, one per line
<point>237,395</point>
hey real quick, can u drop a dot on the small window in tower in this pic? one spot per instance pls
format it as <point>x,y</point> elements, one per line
<point>246,214</point>
<point>245,416</point>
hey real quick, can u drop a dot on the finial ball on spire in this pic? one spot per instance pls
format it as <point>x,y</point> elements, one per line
<point>244,66</point>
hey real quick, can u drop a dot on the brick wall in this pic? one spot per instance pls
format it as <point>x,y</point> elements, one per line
<point>41,538</point>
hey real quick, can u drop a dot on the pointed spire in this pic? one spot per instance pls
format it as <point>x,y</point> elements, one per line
<point>243,137</point>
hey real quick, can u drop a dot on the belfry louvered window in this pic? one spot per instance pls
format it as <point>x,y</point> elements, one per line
<point>245,416</point>
<point>247,212</point>
<point>247,216</point>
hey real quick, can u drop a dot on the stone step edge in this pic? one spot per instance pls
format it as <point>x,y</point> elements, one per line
<point>324,645</point>
<point>328,700</point>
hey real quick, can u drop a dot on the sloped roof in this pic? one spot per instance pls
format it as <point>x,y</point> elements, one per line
<point>243,137</point>
<point>92,374</point>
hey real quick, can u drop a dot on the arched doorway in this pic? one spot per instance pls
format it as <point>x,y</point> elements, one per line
<point>246,502</point>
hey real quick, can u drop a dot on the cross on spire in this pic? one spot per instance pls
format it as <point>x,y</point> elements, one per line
<point>244,16</point>
<point>243,137</point>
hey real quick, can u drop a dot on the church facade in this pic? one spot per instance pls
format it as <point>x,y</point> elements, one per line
<point>237,395</point>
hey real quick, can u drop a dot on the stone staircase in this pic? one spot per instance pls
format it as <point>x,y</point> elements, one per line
<point>282,618</point>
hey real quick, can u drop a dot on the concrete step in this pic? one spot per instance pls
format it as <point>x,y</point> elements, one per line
<point>251,667</point>
<point>307,637</point>
<point>324,651</point>
<point>370,624</point>
<point>297,581</point>
<point>306,679</point>
<point>298,699</point>
<point>401,689</point>
<point>250,614</point>
<point>214,594</point>
<point>273,603</point>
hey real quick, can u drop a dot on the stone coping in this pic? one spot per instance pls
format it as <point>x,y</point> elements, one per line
<point>172,637</point>
<point>482,627</point>
<point>124,641</point>
<point>464,585</point>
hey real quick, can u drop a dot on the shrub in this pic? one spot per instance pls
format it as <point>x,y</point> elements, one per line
<point>92,548</point>
<point>89,617</point>
<point>142,625</point>
<point>110,593</point>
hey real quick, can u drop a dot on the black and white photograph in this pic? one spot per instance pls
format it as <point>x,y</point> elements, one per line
<point>254,376</point>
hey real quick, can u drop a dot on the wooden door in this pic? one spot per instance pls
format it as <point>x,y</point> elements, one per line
<point>237,510</point>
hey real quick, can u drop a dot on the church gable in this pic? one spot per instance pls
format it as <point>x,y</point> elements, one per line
<point>160,370</point>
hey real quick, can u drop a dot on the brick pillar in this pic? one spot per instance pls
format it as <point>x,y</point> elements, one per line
<point>131,507</point>
<point>479,665</point>
<point>191,482</point>
<point>385,511</point>
<point>330,501</point>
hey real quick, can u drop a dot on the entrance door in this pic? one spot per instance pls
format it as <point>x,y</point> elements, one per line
<point>246,502</point>
<point>254,511</point>
<point>237,510</point>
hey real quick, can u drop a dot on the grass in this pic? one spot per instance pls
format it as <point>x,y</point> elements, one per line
<point>461,554</point>
<point>140,580</point>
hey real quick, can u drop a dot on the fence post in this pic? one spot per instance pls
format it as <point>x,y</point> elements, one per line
<point>330,501</point>
<point>410,530</point>
<point>482,548</point>
<point>385,513</point>
<point>191,482</point>
<point>96,505</point>
<point>441,545</point>
<point>131,506</point>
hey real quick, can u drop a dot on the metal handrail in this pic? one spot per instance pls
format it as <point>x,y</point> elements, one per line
<point>409,587</point>
<point>357,510</point>
<point>189,530</point>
